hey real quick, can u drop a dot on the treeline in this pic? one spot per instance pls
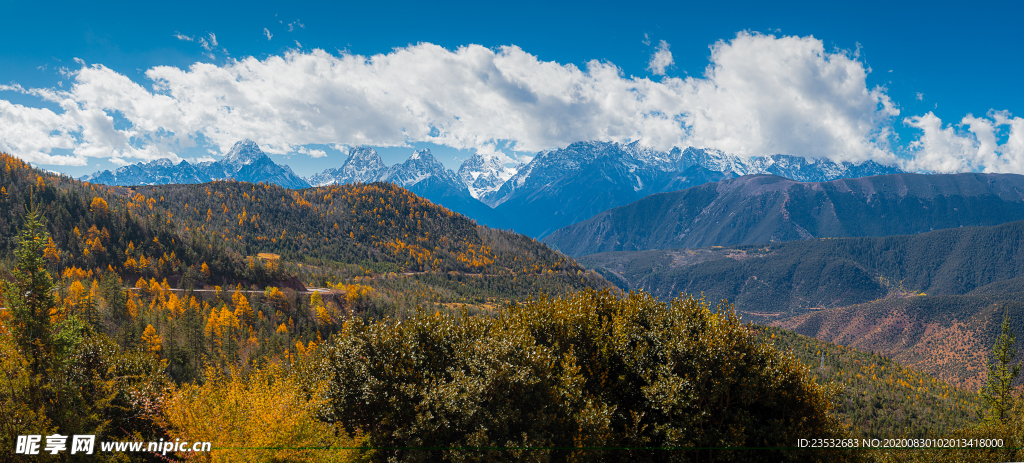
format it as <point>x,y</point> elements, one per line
<point>566,378</point>
<point>272,375</point>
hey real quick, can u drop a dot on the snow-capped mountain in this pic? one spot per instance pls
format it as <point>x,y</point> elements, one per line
<point>362,166</point>
<point>245,162</point>
<point>556,188</point>
<point>792,167</point>
<point>421,174</point>
<point>485,174</point>
<point>564,186</point>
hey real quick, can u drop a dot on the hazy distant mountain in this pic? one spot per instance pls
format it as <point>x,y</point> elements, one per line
<point>763,208</point>
<point>556,188</point>
<point>245,163</point>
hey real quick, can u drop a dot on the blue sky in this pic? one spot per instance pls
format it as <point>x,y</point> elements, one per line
<point>935,62</point>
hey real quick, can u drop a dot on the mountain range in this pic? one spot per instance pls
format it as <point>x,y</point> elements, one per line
<point>245,162</point>
<point>565,186</point>
<point>767,208</point>
<point>769,281</point>
<point>555,189</point>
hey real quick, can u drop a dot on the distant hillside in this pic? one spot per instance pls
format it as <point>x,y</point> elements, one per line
<point>784,279</point>
<point>949,337</point>
<point>764,209</point>
<point>880,398</point>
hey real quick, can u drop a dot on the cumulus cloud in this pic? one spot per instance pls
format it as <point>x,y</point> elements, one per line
<point>760,95</point>
<point>971,146</point>
<point>313,153</point>
<point>660,60</point>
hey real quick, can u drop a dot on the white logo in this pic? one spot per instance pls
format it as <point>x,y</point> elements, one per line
<point>28,445</point>
<point>56,443</point>
<point>83,443</point>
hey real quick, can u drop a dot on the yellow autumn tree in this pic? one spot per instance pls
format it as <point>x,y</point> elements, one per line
<point>98,205</point>
<point>151,340</point>
<point>243,311</point>
<point>50,252</point>
<point>263,416</point>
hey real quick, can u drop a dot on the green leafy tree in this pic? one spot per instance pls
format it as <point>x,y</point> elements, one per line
<point>998,392</point>
<point>587,377</point>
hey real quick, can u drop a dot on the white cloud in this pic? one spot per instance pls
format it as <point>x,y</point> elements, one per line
<point>313,153</point>
<point>180,36</point>
<point>759,95</point>
<point>765,95</point>
<point>920,96</point>
<point>267,33</point>
<point>971,146</point>
<point>661,59</point>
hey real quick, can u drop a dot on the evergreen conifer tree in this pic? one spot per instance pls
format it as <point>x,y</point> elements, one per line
<point>998,389</point>
<point>29,297</point>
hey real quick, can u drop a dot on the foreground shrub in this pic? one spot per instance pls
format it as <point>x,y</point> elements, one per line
<point>588,377</point>
<point>261,416</point>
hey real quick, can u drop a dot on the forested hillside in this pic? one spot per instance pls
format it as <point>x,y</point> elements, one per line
<point>784,279</point>
<point>880,397</point>
<point>99,227</point>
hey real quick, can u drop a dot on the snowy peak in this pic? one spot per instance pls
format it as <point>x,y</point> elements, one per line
<point>362,166</point>
<point>419,167</point>
<point>363,159</point>
<point>243,153</point>
<point>485,174</point>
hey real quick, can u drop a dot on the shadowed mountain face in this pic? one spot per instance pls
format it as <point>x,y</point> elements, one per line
<point>764,209</point>
<point>785,279</point>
